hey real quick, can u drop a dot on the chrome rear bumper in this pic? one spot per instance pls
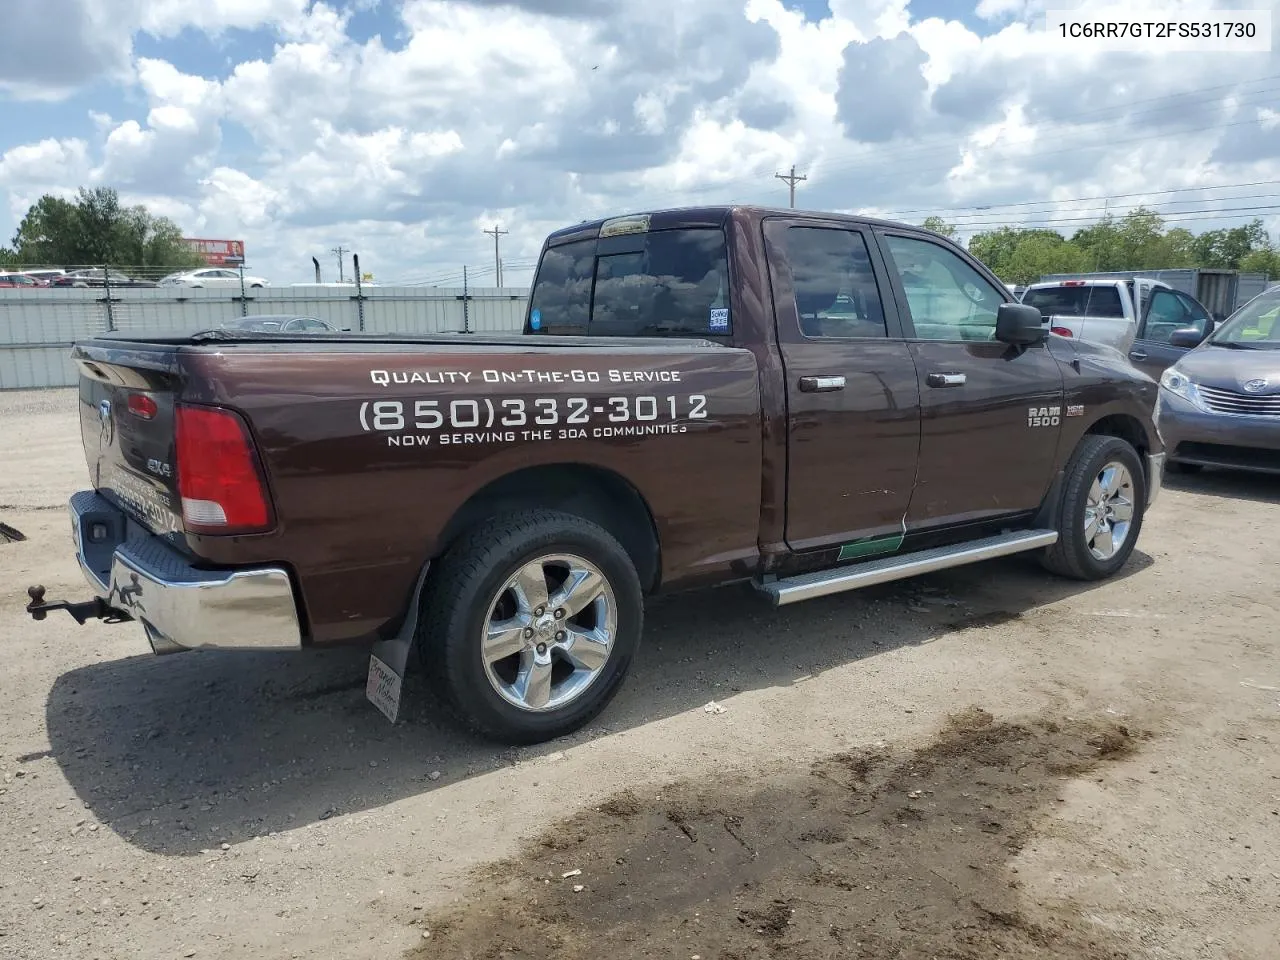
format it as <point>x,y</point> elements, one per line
<point>179,606</point>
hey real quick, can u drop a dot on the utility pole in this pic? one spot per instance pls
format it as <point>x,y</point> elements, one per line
<point>497,260</point>
<point>338,252</point>
<point>791,181</point>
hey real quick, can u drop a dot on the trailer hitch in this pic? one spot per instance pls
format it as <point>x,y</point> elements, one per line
<point>95,609</point>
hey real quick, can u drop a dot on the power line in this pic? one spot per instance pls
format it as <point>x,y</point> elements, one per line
<point>791,181</point>
<point>338,252</point>
<point>1107,197</point>
<point>877,158</point>
<point>966,219</point>
<point>497,260</point>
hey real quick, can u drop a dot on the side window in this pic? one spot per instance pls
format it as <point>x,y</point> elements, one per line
<point>1165,315</point>
<point>835,286</point>
<point>948,299</point>
<point>659,283</point>
<point>561,299</point>
<point>1197,315</point>
<point>676,284</point>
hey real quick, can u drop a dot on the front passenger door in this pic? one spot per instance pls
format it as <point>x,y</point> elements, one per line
<point>991,412</point>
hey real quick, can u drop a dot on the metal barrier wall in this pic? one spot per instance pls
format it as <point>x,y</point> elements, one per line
<point>38,327</point>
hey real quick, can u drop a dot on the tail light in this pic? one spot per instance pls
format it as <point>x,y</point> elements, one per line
<point>1062,331</point>
<point>142,406</point>
<point>219,480</point>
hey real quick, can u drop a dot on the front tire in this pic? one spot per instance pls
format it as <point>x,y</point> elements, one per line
<point>1103,502</point>
<point>529,624</point>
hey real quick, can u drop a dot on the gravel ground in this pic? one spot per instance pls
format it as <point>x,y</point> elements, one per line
<point>984,763</point>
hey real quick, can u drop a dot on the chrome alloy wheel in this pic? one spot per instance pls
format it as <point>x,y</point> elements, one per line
<point>549,632</point>
<point>1108,511</point>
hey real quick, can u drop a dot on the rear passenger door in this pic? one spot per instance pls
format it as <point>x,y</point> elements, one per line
<point>990,412</point>
<point>1164,312</point>
<point>853,425</point>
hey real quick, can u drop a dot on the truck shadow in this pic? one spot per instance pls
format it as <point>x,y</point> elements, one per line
<point>180,754</point>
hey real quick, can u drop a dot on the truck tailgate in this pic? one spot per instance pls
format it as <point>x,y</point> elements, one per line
<point>127,399</point>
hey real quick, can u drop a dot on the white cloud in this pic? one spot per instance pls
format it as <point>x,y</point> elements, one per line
<point>538,113</point>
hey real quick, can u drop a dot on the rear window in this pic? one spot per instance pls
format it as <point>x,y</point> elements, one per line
<point>662,283</point>
<point>1086,301</point>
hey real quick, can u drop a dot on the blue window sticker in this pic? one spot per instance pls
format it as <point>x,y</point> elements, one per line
<point>719,321</point>
<point>535,320</point>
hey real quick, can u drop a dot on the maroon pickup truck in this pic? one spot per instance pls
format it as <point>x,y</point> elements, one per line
<point>810,402</point>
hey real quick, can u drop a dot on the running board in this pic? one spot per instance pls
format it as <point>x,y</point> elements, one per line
<point>839,579</point>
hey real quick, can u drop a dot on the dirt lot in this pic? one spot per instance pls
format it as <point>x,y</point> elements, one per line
<point>985,763</point>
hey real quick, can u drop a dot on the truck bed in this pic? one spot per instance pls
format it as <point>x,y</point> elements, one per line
<point>369,444</point>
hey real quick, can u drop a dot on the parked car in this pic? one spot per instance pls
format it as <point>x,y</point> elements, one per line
<point>1221,292</point>
<point>281,323</point>
<point>48,276</point>
<point>97,277</point>
<point>212,277</point>
<point>20,280</point>
<point>813,403</point>
<point>1220,402</point>
<point>1106,311</point>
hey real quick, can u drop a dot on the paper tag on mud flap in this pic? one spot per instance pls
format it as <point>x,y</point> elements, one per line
<point>383,688</point>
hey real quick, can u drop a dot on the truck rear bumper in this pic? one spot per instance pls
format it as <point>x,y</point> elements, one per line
<point>179,606</point>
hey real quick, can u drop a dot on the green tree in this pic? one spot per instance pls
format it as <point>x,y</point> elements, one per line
<point>1226,248</point>
<point>96,229</point>
<point>49,234</point>
<point>1003,251</point>
<point>938,225</point>
<point>1265,260</point>
<point>1046,252</point>
<point>1101,244</point>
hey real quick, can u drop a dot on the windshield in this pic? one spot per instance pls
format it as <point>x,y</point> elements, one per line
<point>1256,324</point>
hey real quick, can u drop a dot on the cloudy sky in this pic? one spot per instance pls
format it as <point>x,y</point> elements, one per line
<point>402,128</point>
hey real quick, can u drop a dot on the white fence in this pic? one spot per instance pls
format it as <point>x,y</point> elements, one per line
<point>38,327</point>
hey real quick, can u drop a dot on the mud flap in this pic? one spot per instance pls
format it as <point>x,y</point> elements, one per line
<point>390,658</point>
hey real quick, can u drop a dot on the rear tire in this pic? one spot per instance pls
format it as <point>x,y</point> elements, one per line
<point>1104,496</point>
<point>529,625</point>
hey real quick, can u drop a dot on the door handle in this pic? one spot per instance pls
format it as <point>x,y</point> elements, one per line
<point>821,384</point>
<point>1137,354</point>
<point>945,379</point>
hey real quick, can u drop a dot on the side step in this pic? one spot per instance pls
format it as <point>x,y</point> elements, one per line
<point>839,579</point>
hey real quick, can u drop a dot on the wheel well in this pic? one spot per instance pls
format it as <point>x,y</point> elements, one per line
<point>1126,428</point>
<point>1129,429</point>
<point>592,493</point>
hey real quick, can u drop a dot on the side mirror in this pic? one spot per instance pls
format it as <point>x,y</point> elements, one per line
<point>1019,323</point>
<point>1188,337</point>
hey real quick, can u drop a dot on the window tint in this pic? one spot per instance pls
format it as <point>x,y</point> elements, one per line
<point>669,282</point>
<point>948,299</point>
<point>561,299</point>
<point>835,287</point>
<point>1166,314</point>
<point>1087,301</point>
<point>1197,315</point>
<point>307,325</point>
